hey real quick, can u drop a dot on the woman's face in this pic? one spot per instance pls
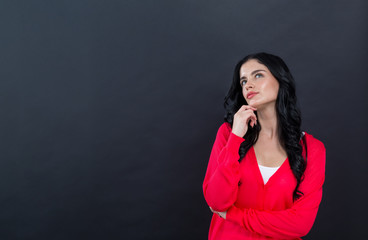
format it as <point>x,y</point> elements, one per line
<point>259,86</point>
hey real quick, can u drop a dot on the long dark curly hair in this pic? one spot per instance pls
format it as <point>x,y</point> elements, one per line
<point>288,114</point>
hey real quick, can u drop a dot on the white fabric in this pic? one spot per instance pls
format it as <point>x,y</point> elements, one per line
<point>267,172</point>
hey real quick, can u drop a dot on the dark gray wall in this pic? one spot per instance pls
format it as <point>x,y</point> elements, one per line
<point>109,110</point>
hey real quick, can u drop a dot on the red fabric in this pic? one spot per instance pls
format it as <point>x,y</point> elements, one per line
<point>256,210</point>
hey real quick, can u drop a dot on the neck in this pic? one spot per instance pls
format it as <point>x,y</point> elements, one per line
<point>268,119</point>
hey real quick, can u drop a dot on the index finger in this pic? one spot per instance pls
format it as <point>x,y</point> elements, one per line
<point>244,107</point>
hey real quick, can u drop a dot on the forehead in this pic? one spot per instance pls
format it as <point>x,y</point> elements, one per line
<point>251,65</point>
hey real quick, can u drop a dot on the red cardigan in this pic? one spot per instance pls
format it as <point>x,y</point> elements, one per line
<point>256,210</point>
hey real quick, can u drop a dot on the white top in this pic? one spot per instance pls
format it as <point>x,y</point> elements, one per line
<point>267,172</point>
<point>303,133</point>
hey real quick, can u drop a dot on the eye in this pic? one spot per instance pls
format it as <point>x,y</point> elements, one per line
<point>243,82</point>
<point>258,75</point>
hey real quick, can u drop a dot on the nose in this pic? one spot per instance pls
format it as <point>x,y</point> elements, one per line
<point>248,85</point>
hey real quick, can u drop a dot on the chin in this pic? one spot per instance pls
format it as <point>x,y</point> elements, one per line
<point>253,104</point>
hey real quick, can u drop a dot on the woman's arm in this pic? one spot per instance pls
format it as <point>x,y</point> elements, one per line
<point>298,220</point>
<point>220,186</point>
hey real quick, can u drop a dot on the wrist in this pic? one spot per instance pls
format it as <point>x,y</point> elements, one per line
<point>237,133</point>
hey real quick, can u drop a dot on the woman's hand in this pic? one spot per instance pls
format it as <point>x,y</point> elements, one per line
<point>242,118</point>
<point>221,214</point>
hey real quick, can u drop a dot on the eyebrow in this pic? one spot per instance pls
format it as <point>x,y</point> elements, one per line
<point>254,72</point>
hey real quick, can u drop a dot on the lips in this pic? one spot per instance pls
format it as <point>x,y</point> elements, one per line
<point>251,94</point>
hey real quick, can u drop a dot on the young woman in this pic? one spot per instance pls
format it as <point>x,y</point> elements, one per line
<point>264,177</point>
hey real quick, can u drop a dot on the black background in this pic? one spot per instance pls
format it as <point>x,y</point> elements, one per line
<point>109,110</point>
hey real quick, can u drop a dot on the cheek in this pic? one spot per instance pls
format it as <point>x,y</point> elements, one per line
<point>272,89</point>
<point>276,91</point>
<point>244,93</point>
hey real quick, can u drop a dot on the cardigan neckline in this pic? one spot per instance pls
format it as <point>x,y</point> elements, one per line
<point>259,174</point>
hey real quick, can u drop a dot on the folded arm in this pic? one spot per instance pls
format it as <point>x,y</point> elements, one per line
<point>220,186</point>
<point>297,220</point>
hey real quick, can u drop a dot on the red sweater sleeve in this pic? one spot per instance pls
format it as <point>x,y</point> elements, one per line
<point>220,185</point>
<point>298,220</point>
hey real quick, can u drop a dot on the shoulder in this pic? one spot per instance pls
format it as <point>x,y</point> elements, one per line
<point>314,145</point>
<point>225,127</point>
<point>224,130</point>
